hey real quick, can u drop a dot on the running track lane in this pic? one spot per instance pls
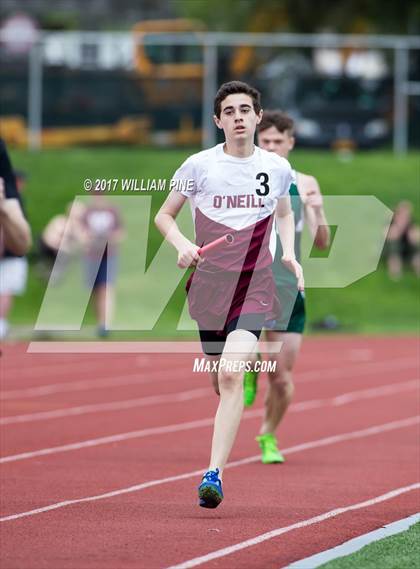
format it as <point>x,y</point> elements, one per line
<point>279,547</point>
<point>19,403</point>
<point>98,469</point>
<point>93,462</point>
<point>162,526</point>
<point>108,411</point>
<point>21,369</point>
<point>387,449</point>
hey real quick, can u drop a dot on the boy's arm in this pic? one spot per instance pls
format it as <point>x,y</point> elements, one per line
<point>165,222</point>
<point>15,230</point>
<point>286,226</point>
<point>314,213</point>
<point>286,229</point>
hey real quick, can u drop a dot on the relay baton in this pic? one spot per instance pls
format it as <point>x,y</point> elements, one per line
<point>226,239</point>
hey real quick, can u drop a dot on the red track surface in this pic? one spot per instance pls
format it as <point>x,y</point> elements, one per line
<point>160,525</point>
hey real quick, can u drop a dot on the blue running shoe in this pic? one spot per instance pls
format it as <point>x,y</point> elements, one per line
<point>210,491</point>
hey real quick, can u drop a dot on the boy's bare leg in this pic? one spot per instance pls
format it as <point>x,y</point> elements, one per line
<point>394,266</point>
<point>280,385</point>
<point>213,374</point>
<point>6,301</point>
<point>414,239</point>
<point>100,304</point>
<point>240,344</point>
<point>104,305</point>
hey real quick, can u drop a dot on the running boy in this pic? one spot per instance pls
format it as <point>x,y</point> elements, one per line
<point>276,134</point>
<point>233,188</point>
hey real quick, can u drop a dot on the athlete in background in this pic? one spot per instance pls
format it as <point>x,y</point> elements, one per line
<point>101,232</point>
<point>15,239</point>
<point>276,134</point>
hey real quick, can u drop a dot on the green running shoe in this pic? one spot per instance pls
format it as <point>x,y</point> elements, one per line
<point>270,454</point>
<point>250,385</point>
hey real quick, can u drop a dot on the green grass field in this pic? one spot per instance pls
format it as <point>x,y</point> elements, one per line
<point>373,304</point>
<point>401,551</point>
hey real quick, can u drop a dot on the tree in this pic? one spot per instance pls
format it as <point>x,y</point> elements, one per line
<point>348,16</point>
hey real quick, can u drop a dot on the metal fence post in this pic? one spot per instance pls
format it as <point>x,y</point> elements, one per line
<point>209,91</point>
<point>400,100</point>
<point>35,96</point>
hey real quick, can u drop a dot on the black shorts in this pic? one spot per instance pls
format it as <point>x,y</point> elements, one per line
<point>213,342</point>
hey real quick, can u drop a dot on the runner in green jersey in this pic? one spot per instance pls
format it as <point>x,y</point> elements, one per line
<point>276,134</point>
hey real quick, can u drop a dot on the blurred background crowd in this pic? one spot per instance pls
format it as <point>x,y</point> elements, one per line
<point>111,89</point>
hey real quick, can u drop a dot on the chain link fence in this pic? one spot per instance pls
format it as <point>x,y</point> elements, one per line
<point>157,88</point>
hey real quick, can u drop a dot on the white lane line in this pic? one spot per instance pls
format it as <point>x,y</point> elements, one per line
<point>109,440</point>
<point>167,429</point>
<point>186,396</point>
<point>346,371</point>
<point>79,365</point>
<point>355,544</point>
<point>361,354</point>
<point>111,406</point>
<point>349,371</point>
<point>374,430</point>
<point>345,398</point>
<point>400,387</point>
<point>304,523</point>
<point>91,384</point>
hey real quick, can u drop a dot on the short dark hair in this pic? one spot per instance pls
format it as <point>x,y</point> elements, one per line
<point>280,120</point>
<point>235,88</point>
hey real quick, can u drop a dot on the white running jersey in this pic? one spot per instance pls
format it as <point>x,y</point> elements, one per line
<point>238,196</point>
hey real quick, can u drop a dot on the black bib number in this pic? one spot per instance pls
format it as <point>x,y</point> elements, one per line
<point>264,187</point>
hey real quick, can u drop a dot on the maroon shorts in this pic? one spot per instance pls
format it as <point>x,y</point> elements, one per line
<point>216,298</point>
